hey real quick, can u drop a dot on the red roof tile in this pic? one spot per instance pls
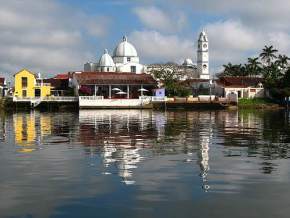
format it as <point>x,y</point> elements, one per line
<point>239,81</point>
<point>86,78</point>
<point>62,76</point>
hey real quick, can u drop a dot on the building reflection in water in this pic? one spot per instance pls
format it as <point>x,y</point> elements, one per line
<point>30,129</point>
<point>25,131</point>
<point>3,127</point>
<point>206,121</point>
<point>120,135</point>
<point>124,138</point>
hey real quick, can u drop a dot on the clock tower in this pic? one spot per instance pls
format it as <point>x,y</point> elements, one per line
<point>202,56</point>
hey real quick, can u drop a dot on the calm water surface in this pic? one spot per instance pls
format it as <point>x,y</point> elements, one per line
<point>132,163</point>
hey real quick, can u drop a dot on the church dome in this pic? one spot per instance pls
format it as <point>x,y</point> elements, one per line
<point>187,62</point>
<point>125,49</point>
<point>106,60</point>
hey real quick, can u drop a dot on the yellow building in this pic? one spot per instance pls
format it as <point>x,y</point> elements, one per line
<point>28,85</point>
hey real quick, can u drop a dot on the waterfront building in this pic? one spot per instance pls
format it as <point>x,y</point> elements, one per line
<point>30,85</point>
<point>241,86</point>
<point>125,59</point>
<point>61,85</point>
<point>112,89</point>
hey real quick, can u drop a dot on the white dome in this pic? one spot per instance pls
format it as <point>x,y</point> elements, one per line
<point>188,62</point>
<point>106,60</point>
<point>125,49</point>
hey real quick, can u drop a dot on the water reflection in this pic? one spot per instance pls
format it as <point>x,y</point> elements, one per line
<point>144,157</point>
<point>124,138</point>
<point>121,136</point>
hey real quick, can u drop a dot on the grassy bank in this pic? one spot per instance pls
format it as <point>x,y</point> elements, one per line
<point>258,103</point>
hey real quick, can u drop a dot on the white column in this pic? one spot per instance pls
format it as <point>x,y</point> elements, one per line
<point>128,90</point>
<point>95,90</point>
<point>110,91</point>
<point>142,90</point>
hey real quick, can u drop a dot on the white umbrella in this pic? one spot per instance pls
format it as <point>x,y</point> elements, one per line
<point>116,89</point>
<point>143,90</point>
<point>121,93</point>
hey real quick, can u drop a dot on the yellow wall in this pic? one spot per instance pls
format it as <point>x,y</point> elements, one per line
<point>31,85</point>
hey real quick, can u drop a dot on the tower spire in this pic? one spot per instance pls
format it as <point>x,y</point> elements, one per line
<point>202,56</point>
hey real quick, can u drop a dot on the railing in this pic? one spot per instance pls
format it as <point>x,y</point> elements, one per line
<point>46,99</point>
<point>91,98</point>
<point>145,97</point>
<point>42,84</point>
<point>156,98</point>
<point>60,98</point>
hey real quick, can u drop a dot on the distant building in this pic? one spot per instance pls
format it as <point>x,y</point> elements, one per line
<point>3,87</point>
<point>189,70</point>
<point>124,59</point>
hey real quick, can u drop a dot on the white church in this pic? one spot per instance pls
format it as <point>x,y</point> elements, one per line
<point>125,59</point>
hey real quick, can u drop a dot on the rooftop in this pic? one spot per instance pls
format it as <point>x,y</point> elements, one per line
<point>85,78</point>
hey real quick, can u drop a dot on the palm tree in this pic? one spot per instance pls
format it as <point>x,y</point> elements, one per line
<point>253,66</point>
<point>228,69</point>
<point>268,54</point>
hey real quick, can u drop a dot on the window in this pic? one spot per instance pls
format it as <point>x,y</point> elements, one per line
<point>24,82</point>
<point>24,93</point>
<point>37,92</point>
<point>128,59</point>
<point>108,69</point>
<point>133,69</point>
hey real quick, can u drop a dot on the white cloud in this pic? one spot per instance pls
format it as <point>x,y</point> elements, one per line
<point>155,18</point>
<point>45,36</point>
<point>255,13</point>
<point>155,47</point>
<point>98,26</point>
<point>233,41</point>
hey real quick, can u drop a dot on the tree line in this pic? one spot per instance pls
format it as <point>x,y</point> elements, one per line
<point>270,65</point>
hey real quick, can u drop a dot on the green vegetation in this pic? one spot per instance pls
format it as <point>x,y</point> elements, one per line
<point>257,103</point>
<point>169,77</point>
<point>253,101</point>
<point>270,65</point>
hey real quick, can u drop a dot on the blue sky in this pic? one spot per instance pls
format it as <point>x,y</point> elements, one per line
<point>53,36</point>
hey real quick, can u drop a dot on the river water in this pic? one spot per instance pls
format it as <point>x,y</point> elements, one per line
<point>133,163</point>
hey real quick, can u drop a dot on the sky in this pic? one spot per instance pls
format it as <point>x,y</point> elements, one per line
<point>56,36</point>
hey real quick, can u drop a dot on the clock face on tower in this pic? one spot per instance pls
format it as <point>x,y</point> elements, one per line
<point>204,46</point>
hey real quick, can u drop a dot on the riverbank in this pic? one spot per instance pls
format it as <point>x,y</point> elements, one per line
<point>258,103</point>
<point>7,104</point>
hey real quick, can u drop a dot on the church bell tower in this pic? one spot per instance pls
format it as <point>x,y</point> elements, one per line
<point>202,56</point>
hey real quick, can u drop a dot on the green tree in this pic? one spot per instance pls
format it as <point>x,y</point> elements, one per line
<point>268,54</point>
<point>169,76</point>
<point>282,62</point>
<point>253,66</point>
